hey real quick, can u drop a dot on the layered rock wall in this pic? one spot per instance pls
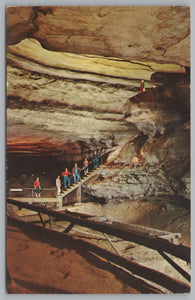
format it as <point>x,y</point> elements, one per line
<point>73,86</point>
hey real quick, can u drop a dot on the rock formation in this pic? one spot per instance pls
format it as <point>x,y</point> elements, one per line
<point>73,85</point>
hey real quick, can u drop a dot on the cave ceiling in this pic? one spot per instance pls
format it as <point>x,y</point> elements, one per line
<point>150,33</point>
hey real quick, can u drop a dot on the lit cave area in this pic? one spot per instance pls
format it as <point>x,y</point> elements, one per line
<point>104,83</point>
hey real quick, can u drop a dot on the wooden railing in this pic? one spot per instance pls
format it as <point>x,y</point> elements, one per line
<point>163,280</point>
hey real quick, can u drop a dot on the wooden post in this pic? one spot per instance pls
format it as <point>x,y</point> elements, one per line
<point>79,193</point>
<point>111,243</point>
<point>174,265</point>
<point>59,204</point>
<point>70,226</point>
<point>51,222</point>
<point>41,218</point>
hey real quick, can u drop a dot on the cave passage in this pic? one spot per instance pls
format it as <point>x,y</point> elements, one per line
<point>26,167</point>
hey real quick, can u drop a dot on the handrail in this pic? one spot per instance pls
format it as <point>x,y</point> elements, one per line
<point>164,280</point>
<point>180,251</point>
<point>54,188</point>
<point>15,189</point>
<point>46,189</point>
<point>99,156</point>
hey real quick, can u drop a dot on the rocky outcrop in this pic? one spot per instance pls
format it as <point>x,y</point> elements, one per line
<point>162,109</point>
<point>164,170</point>
<point>157,161</point>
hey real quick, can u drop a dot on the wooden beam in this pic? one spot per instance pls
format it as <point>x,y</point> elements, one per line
<point>41,218</point>
<point>155,243</point>
<point>171,284</point>
<point>36,200</point>
<point>51,222</point>
<point>108,239</point>
<point>174,265</point>
<point>69,228</point>
<point>77,214</point>
<point>78,191</point>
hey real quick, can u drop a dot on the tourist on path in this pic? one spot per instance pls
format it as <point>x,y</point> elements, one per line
<point>85,165</point>
<point>66,178</point>
<point>95,159</point>
<point>37,187</point>
<point>75,171</point>
<point>58,185</point>
<point>142,86</point>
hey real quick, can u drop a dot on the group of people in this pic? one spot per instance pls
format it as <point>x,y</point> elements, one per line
<point>135,161</point>
<point>65,174</point>
<point>75,172</point>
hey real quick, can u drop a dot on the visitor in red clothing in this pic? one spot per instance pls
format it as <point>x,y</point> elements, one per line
<point>66,178</point>
<point>37,187</point>
<point>142,86</point>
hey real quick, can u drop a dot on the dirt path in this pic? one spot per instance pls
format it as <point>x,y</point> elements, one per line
<point>39,263</point>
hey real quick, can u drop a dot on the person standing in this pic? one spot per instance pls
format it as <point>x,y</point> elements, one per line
<point>95,159</point>
<point>75,172</point>
<point>66,178</point>
<point>37,187</point>
<point>142,86</point>
<point>85,165</point>
<point>58,185</point>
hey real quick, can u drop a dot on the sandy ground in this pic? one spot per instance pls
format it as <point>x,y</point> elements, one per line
<point>41,263</point>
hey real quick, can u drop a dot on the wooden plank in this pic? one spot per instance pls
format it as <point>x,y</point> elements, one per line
<point>108,239</point>
<point>41,218</point>
<point>77,214</point>
<point>174,265</point>
<point>98,219</point>
<point>79,193</point>
<point>78,185</point>
<point>147,231</point>
<point>36,200</point>
<point>70,226</point>
<point>156,243</point>
<point>170,236</point>
<point>171,284</point>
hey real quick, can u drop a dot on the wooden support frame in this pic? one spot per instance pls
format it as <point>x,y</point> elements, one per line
<point>155,243</point>
<point>174,265</point>
<point>41,218</point>
<point>171,284</point>
<point>70,226</point>
<point>78,191</point>
<point>108,239</point>
<point>51,222</point>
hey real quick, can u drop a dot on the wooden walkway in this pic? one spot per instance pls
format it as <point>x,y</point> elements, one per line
<point>73,187</point>
<point>59,200</point>
<point>31,200</point>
